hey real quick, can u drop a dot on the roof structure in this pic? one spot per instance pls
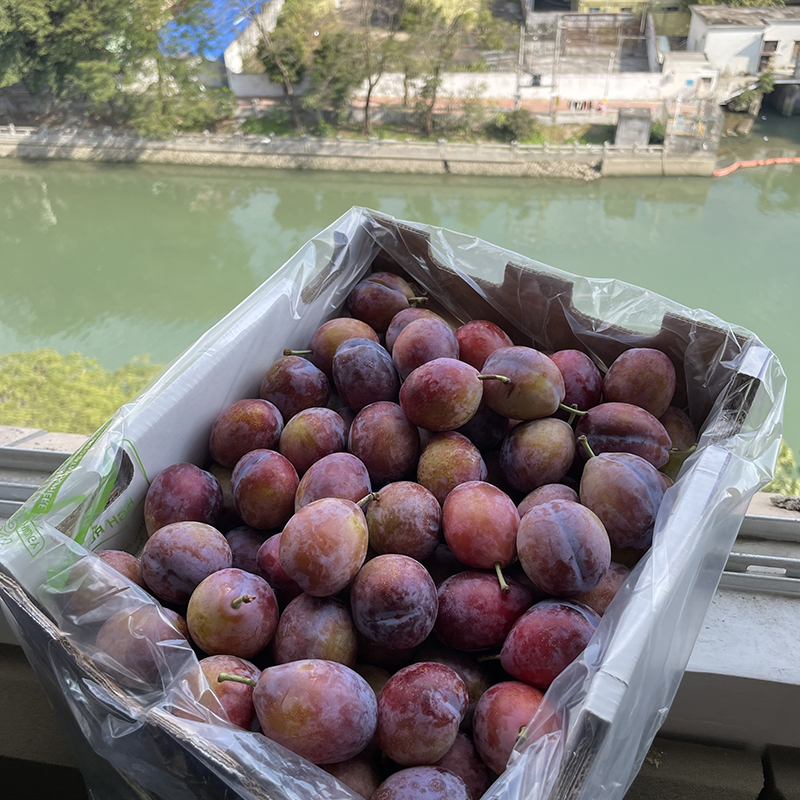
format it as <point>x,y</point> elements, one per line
<point>747,17</point>
<point>228,20</point>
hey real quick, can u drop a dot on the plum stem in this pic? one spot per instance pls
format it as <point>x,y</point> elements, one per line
<point>229,676</point>
<point>289,352</point>
<point>245,598</point>
<point>420,301</point>
<point>573,412</point>
<point>501,378</point>
<point>582,440</point>
<point>495,657</point>
<point>523,732</point>
<point>683,452</point>
<point>364,500</point>
<point>505,588</point>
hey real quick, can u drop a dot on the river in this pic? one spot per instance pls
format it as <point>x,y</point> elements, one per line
<point>115,261</point>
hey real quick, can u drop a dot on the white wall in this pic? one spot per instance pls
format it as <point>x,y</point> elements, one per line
<point>490,85</point>
<point>734,50</point>
<point>786,34</point>
<point>697,33</point>
<point>239,50</point>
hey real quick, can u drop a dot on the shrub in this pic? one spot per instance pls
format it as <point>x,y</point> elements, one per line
<point>518,125</point>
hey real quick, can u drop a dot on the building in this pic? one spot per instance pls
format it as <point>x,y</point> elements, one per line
<point>747,41</point>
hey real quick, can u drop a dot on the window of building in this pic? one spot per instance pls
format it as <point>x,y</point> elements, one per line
<point>626,10</point>
<point>595,10</point>
<point>764,63</point>
<point>770,47</point>
<point>672,9</point>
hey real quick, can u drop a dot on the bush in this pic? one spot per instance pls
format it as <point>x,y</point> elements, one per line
<point>787,475</point>
<point>324,129</point>
<point>69,394</point>
<point>657,133</point>
<point>742,101</point>
<point>516,126</point>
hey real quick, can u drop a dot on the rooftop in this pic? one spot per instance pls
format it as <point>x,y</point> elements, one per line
<point>724,16</point>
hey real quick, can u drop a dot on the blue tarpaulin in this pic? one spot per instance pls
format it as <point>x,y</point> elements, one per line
<point>227,18</point>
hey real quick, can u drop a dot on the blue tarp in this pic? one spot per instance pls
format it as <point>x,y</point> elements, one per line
<point>228,19</point>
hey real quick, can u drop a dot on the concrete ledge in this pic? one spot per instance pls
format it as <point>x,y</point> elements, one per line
<point>783,772</point>
<point>682,771</point>
<point>29,729</point>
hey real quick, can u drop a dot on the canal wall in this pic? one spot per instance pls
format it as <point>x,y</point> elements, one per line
<point>374,155</point>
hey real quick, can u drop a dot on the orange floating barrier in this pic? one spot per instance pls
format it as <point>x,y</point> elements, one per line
<point>764,162</point>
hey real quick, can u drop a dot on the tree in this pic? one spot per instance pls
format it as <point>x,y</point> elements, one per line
<point>376,47</point>
<point>139,62</point>
<point>438,38</point>
<point>334,74</point>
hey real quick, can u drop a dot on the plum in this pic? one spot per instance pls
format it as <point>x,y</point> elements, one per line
<point>235,698</point>
<point>544,494</point>
<point>423,783</point>
<point>394,602</point>
<point>385,441</point>
<point>478,339</point>
<point>462,759</point>
<point>583,383</point>
<point>363,373</point>
<point>625,492</point>
<point>293,384</point>
<point>404,518</point>
<point>532,386</point>
<point>500,717</point>
<point>419,711</point>
<point>321,710</point>
<point>422,341</point>
<point>599,598</point>
<point>643,377</point>
<point>448,460</point>
<point>177,557</point>
<point>245,426</point>
<point>270,569</point>
<point>310,435</point>
<point>182,493</point>
<point>245,543</point>
<point>402,319</point>
<point>125,564</point>
<point>324,545</point>
<point>442,394</point>
<point>480,526</point>
<point>315,627</point>
<point>339,475</point>
<point>475,614</point>
<point>264,485</point>
<point>137,640</point>
<point>624,428</point>
<point>563,548</point>
<point>232,612</point>
<point>536,453</point>
<point>545,640</point>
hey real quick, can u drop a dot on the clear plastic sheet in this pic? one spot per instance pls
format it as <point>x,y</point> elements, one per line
<point>165,736</point>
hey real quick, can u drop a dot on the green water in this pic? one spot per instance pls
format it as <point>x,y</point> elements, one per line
<point>117,261</point>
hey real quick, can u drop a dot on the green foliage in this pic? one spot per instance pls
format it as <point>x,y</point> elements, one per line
<point>658,132</point>
<point>742,101</point>
<point>490,32</point>
<point>766,82</point>
<point>335,73</point>
<point>750,3</point>
<point>276,122</point>
<point>515,126</point>
<point>71,394</point>
<point>141,62</point>
<point>787,474</point>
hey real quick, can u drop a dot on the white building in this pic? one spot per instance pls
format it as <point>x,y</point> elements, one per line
<point>747,41</point>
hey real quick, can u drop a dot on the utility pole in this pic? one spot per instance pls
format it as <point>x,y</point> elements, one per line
<point>556,65</point>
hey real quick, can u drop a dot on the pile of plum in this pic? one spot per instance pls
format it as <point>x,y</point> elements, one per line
<point>411,560</point>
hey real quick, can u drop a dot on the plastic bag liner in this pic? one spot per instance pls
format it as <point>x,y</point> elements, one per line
<point>163,734</point>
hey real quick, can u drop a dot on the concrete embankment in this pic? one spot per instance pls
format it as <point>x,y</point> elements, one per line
<point>582,162</point>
